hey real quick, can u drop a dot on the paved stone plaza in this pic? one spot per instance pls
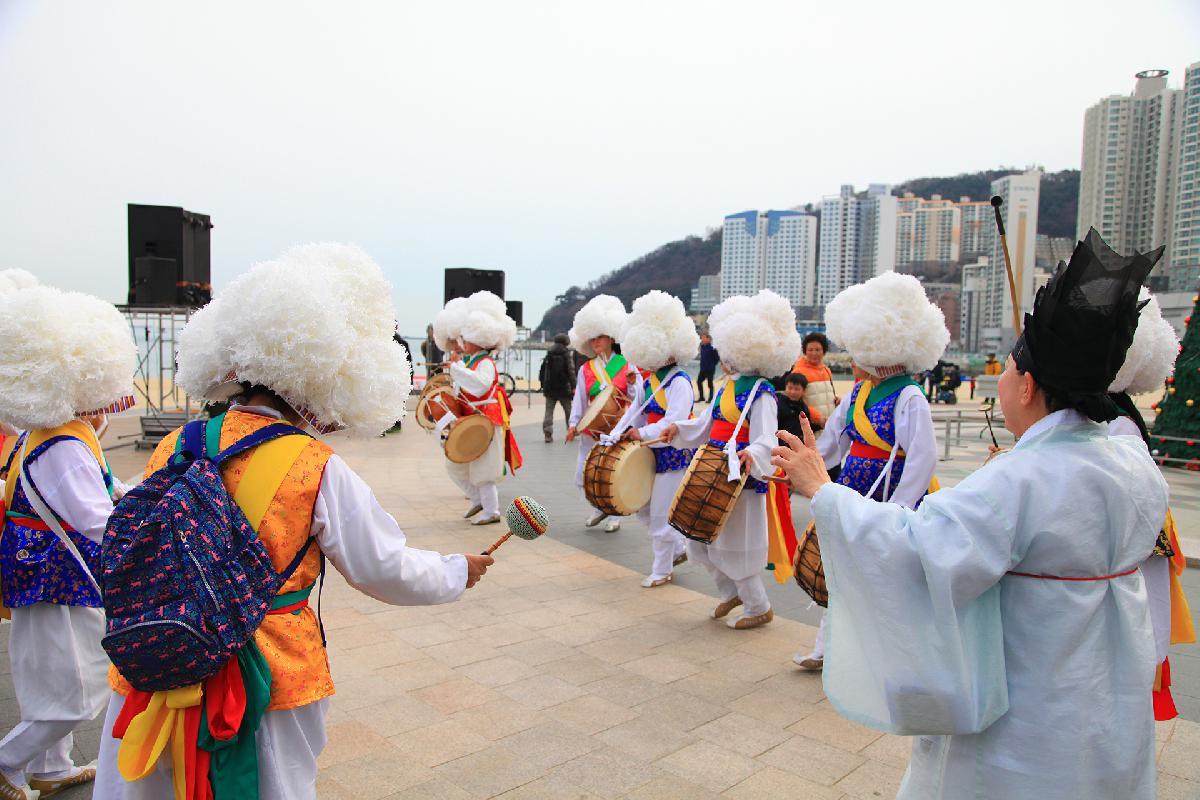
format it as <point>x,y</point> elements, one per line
<point>559,677</point>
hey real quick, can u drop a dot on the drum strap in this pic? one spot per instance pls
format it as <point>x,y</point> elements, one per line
<point>627,421</point>
<point>735,465</point>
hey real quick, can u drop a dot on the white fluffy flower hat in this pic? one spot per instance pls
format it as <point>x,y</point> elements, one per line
<point>315,327</point>
<point>756,335</point>
<point>65,355</point>
<point>1151,357</point>
<point>603,315</point>
<point>657,332</point>
<point>888,322</point>
<point>447,325</point>
<point>481,319</point>
<point>13,279</point>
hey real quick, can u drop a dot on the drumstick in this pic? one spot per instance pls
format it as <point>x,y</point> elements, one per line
<point>526,518</point>
<point>648,442</point>
<point>776,478</point>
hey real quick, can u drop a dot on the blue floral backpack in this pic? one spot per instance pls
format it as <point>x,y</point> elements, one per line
<point>185,579</point>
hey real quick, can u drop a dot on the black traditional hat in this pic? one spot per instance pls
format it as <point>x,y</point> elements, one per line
<point>1083,323</point>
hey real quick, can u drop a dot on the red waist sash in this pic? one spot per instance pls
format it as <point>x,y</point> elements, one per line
<point>723,430</point>
<point>36,524</point>
<point>1066,578</point>
<point>864,450</point>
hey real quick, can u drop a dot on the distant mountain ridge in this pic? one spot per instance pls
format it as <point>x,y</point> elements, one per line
<point>677,266</point>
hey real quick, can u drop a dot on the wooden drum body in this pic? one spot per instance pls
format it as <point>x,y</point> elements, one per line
<point>619,478</point>
<point>468,438</point>
<point>706,496</point>
<point>603,413</point>
<point>435,399</point>
<point>809,569</point>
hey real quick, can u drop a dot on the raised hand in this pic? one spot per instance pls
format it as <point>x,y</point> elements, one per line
<point>800,460</point>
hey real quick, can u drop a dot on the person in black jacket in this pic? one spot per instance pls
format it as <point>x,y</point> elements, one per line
<point>709,358</point>
<point>557,376</point>
<point>791,403</point>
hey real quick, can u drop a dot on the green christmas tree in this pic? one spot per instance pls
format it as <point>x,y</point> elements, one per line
<point>1175,440</point>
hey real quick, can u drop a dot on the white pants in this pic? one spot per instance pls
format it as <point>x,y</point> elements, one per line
<point>666,542</point>
<point>818,651</point>
<point>477,479</point>
<point>59,673</point>
<point>288,745</point>
<point>750,590</point>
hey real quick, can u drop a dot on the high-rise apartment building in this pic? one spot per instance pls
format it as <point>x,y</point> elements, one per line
<point>706,294</point>
<point>858,238</point>
<point>1020,213</point>
<point>774,250</point>
<point>927,231</point>
<point>1138,152</point>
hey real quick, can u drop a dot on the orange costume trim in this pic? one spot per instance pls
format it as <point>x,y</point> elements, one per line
<point>291,643</point>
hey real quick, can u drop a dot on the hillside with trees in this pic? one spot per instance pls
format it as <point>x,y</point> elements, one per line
<point>676,267</point>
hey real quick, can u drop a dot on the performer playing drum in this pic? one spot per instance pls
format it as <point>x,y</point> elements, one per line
<point>756,337</point>
<point>658,337</point>
<point>595,330</point>
<point>882,428</point>
<point>471,328</point>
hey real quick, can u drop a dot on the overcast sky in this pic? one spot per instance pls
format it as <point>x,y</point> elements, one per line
<point>554,140</point>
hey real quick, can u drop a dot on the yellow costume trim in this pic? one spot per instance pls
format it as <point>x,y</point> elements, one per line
<point>265,472</point>
<point>1183,630</point>
<point>150,732</point>
<point>862,424</point>
<point>728,403</point>
<point>75,428</point>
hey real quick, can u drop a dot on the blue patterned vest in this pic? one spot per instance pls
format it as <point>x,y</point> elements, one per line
<point>723,427</point>
<point>34,565</point>
<point>860,472</point>
<point>667,459</point>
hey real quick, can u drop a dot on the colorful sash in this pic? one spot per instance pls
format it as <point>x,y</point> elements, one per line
<point>1182,629</point>
<point>597,375</point>
<point>495,405</point>
<point>876,447</point>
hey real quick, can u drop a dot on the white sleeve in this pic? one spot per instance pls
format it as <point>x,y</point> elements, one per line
<point>478,380</point>
<point>579,402</point>
<point>69,481</point>
<point>633,413</point>
<point>764,424</point>
<point>694,432</point>
<point>914,435</point>
<point>1156,571</point>
<point>1123,426</point>
<point>679,405</point>
<point>367,546</point>
<point>833,444</point>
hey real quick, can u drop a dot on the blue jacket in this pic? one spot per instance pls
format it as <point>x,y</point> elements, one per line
<point>709,358</point>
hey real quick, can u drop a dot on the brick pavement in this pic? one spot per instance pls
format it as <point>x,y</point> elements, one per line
<point>559,677</point>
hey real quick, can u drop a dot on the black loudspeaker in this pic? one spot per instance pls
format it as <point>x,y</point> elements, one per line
<point>515,310</point>
<point>155,281</point>
<point>465,282</point>
<point>164,234</point>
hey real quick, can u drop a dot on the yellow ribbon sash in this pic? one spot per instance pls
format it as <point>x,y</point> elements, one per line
<point>862,424</point>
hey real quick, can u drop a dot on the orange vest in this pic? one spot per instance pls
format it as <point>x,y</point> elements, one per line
<point>291,643</point>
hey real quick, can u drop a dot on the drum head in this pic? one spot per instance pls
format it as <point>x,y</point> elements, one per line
<point>633,479</point>
<point>469,438</point>
<point>592,413</point>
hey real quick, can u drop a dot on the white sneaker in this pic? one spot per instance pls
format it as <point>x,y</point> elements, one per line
<point>613,525</point>
<point>596,518</point>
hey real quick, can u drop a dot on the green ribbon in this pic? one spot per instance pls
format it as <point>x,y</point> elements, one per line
<point>889,387</point>
<point>233,768</point>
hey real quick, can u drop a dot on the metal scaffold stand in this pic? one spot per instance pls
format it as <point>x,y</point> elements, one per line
<point>164,405</point>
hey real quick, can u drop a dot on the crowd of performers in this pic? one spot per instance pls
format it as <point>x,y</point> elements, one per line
<point>1015,625</point>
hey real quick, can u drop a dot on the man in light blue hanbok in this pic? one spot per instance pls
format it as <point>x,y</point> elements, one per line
<point>1004,624</point>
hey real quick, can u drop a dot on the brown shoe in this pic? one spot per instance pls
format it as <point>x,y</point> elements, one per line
<point>679,559</point>
<point>50,788</point>
<point>10,791</point>
<point>725,607</point>
<point>745,621</point>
